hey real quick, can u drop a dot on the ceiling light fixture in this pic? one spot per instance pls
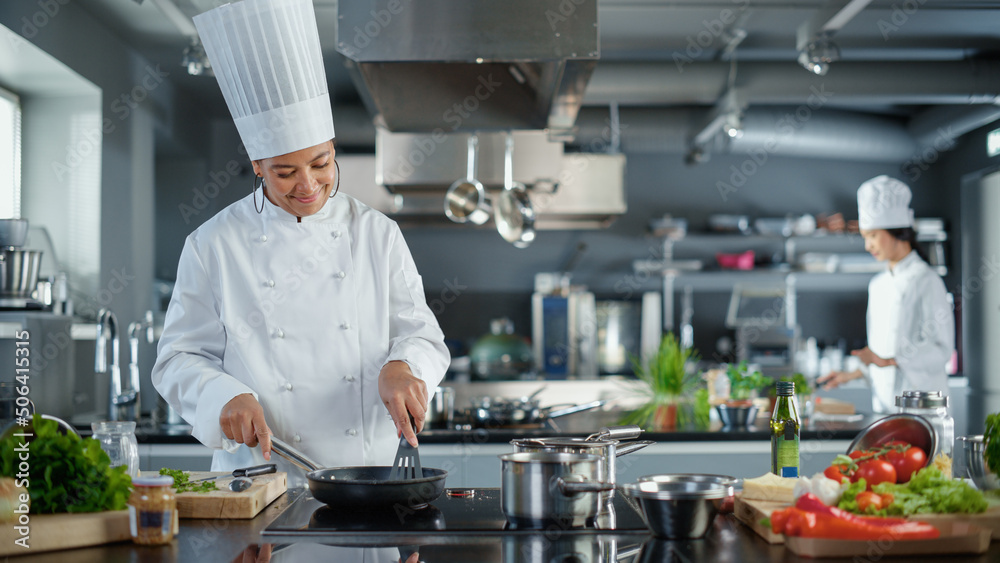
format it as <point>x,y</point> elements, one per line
<point>725,117</point>
<point>195,60</point>
<point>818,55</point>
<point>814,38</point>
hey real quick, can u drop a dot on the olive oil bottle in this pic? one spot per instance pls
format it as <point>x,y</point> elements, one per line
<point>785,433</point>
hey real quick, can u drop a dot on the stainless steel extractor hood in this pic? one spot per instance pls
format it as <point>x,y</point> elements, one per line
<point>467,65</point>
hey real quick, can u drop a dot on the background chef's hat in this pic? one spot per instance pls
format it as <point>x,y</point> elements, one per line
<point>884,203</point>
<point>267,59</point>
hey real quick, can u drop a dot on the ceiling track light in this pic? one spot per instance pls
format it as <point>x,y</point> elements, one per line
<point>818,54</point>
<point>726,117</point>
<point>814,38</point>
<point>195,60</point>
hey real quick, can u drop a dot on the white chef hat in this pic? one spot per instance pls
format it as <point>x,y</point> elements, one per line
<point>884,203</point>
<point>266,56</point>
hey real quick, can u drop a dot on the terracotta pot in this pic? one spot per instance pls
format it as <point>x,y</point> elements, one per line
<point>665,417</point>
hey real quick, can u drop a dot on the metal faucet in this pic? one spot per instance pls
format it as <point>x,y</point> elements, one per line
<point>120,406</point>
<point>134,330</point>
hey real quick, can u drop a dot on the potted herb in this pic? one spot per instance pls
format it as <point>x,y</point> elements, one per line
<point>739,409</point>
<point>669,385</point>
<point>803,393</point>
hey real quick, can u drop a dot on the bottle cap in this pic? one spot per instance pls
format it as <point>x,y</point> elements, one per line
<point>785,387</point>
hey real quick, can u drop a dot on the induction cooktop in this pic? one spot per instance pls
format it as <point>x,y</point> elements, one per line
<point>458,513</point>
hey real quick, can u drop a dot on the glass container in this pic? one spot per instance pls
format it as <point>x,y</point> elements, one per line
<point>785,432</point>
<point>117,439</point>
<point>152,510</point>
<point>933,406</point>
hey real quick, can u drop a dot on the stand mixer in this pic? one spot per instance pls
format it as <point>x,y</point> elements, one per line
<point>19,267</point>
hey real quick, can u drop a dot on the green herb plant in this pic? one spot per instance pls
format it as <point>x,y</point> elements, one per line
<point>183,483</point>
<point>743,383</point>
<point>66,473</point>
<point>669,381</point>
<point>992,441</point>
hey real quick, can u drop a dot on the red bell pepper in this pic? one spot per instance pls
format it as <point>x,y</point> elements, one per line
<point>813,519</point>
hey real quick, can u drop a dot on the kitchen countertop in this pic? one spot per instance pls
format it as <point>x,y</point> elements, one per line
<point>580,427</point>
<point>240,540</point>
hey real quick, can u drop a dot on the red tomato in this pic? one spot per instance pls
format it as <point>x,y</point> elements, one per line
<point>907,463</point>
<point>836,472</point>
<point>869,502</point>
<point>857,453</point>
<point>875,471</point>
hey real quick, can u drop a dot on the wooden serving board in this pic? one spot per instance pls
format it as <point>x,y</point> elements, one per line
<point>224,503</point>
<point>751,512</point>
<point>956,538</point>
<point>50,532</point>
<point>989,520</point>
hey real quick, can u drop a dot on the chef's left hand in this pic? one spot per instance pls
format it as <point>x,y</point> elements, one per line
<point>405,396</point>
<point>868,358</point>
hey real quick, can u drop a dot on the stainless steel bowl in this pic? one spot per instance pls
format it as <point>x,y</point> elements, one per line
<point>678,506</point>
<point>974,448</point>
<point>736,416</point>
<point>20,271</point>
<point>732,484</point>
<point>909,428</point>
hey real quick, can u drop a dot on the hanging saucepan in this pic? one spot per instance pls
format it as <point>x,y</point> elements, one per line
<point>465,201</point>
<point>512,211</point>
<point>365,487</point>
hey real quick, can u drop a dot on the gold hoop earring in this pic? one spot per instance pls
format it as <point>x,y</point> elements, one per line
<point>338,179</point>
<point>253,183</point>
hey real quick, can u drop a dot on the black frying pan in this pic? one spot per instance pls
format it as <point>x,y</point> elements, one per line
<point>366,487</point>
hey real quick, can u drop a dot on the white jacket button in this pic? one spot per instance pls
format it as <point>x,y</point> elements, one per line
<point>336,234</point>
<point>278,333</point>
<point>288,386</point>
<point>351,432</point>
<point>269,283</point>
<point>263,238</point>
<point>297,438</point>
<point>345,326</point>
<point>341,275</point>
<point>349,378</point>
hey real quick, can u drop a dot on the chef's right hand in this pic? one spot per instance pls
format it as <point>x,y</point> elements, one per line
<point>838,378</point>
<point>242,420</point>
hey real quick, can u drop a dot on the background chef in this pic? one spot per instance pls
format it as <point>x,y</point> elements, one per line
<point>297,310</point>
<point>911,328</point>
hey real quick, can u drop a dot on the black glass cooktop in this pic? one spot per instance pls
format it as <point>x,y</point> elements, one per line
<point>456,513</point>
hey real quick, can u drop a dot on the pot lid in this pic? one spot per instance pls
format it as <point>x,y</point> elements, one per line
<point>562,442</point>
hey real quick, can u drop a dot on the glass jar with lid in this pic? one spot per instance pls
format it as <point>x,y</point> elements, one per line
<point>152,510</point>
<point>117,439</point>
<point>933,406</point>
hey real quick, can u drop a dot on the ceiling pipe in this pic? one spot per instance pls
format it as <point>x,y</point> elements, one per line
<point>781,130</point>
<point>780,83</point>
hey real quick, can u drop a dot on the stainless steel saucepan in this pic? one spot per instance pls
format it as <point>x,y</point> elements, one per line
<point>540,489</point>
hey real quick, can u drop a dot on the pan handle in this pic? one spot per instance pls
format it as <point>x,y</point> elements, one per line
<point>616,433</point>
<point>573,484</point>
<point>578,408</point>
<point>632,447</point>
<point>294,456</point>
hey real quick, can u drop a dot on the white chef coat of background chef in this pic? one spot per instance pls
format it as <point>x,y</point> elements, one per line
<point>302,315</point>
<point>909,317</point>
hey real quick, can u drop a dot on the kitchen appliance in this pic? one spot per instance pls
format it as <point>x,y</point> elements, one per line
<point>501,354</point>
<point>457,515</point>
<point>541,489</point>
<point>564,334</point>
<point>766,331</point>
<point>355,488</point>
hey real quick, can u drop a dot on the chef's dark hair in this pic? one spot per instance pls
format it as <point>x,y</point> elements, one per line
<point>907,234</point>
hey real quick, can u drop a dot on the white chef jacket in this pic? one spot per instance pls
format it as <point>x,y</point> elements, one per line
<point>909,319</point>
<point>303,316</point>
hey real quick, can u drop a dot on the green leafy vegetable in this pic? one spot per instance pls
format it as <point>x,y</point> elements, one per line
<point>742,383</point>
<point>992,439</point>
<point>183,483</point>
<point>671,382</point>
<point>65,473</point>
<point>927,492</point>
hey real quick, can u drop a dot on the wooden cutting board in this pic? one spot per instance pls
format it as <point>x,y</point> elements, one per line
<point>751,512</point>
<point>989,520</point>
<point>49,532</point>
<point>224,503</point>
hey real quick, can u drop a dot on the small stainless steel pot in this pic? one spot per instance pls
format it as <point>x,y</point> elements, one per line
<point>540,489</point>
<point>607,449</point>
<point>441,408</point>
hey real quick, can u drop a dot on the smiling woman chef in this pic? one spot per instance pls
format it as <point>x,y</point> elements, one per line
<point>297,311</point>
<point>911,329</point>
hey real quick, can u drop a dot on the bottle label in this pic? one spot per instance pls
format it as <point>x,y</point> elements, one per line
<point>785,451</point>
